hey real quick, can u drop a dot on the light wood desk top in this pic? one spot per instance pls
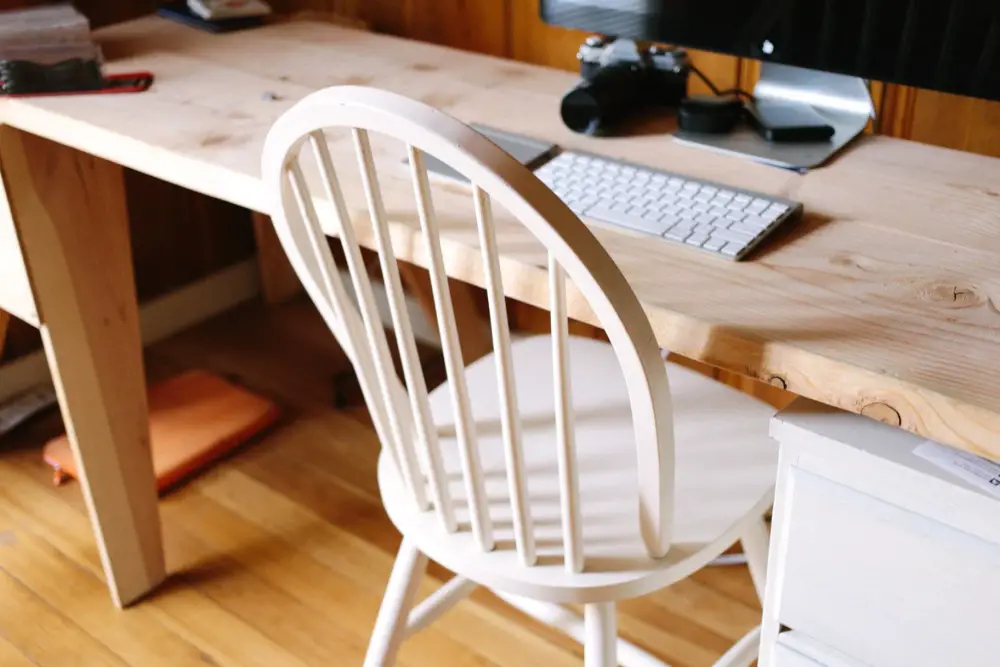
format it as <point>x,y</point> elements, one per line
<point>884,300</point>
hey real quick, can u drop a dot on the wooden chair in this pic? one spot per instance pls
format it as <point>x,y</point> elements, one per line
<point>556,469</point>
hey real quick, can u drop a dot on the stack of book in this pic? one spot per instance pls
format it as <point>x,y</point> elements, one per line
<point>47,50</point>
<point>217,15</point>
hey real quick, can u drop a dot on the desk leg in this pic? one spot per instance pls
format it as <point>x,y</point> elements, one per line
<point>278,281</point>
<point>69,210</point>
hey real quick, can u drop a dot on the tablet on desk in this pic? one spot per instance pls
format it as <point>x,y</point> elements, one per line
<point>528,151</point>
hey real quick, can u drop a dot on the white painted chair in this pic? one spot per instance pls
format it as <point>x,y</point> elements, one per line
<point>554,470</point>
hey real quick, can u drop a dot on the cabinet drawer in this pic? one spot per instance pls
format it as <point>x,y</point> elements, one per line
<point>797,650</point>
<point>884,585</point>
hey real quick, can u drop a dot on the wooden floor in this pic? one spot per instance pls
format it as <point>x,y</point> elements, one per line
<point>280,554</point>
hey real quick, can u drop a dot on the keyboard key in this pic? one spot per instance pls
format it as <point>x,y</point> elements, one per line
<point>756,222</point>
<point>703,196</point>
<point>658,179</point>
<point>696,239</point>
<point>701,207</point>
<point>719,200</point>
<point>736,205</point>
<point>705,219</point>
<point>678,234</point>
<point>714,244</point>
<point>734,236</point>
<point>708,189</point>
<point>704,229</point>
<point>771,214</point>
<point>687,214</point>
<point>684,203</point>
<point>731,249</point>
<point>690,186</point>
<point>743,199</point>
<point>621,219</point>
<point>744,228</point>
<point>736,216</point>
<point>728,194</point>
<point>718,211</point>
<point>675,182</point>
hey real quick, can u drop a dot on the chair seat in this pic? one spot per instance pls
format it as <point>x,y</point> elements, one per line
<point>725,474</point>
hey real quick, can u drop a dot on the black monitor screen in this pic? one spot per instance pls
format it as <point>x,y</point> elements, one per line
<point>947,45</point>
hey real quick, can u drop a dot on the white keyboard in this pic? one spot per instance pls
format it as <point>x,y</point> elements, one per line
<point>698,214</point>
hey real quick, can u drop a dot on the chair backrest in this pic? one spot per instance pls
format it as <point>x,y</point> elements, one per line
<point>303,215</point>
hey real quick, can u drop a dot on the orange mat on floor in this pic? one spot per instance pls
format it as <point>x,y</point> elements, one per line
<point>194,419</point>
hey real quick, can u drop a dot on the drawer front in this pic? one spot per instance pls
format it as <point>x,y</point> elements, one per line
<point>786,657</point>
<point>795,649</point>
<point>884,585</point>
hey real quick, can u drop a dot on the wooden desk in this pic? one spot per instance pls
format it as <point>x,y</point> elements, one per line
<point>884,300</point>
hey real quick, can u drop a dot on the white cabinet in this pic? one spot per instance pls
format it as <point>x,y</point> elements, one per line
<point>876,553</point>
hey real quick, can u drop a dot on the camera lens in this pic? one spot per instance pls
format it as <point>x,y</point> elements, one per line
<point>596,105</point>
<point>581,112</point>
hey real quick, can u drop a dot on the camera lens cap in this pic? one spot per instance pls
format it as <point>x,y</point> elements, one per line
<point>710,114</point>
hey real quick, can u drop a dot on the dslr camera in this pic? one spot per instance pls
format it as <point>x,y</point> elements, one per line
<point>620,79</point>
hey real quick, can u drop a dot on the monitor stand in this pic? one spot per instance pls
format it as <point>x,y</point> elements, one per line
<point>843,100</point>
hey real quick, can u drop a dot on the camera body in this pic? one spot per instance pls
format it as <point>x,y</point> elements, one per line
<point>619,79</point>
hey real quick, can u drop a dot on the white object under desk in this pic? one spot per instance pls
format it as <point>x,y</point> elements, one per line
<point>878,557</point>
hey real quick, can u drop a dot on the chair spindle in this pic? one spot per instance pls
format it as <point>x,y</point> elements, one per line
<point>426,433</point>
<point>375,334</point>
<point>475,489</point>
<point>509,415</point>
<point>569,488</point>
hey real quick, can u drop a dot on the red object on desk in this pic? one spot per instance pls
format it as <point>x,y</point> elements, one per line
<point>131,82</point>
<point>194,419</point>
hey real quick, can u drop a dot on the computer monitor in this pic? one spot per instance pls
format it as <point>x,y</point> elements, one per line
<point>947,45</point>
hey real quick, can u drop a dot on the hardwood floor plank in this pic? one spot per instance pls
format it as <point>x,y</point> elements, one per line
<point>10,656</point>
<point>44,635</point>
<point>42,568</point>
<point>60,516</point>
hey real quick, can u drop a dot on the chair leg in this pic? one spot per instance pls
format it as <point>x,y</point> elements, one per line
<point>601,646</point>
<point>743,653</point>
<point>562,619</point>
<point>390,626</point>
<point>756,541</point>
